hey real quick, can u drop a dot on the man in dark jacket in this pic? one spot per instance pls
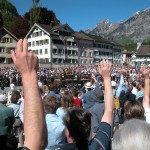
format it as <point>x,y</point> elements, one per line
<point>6,116</point>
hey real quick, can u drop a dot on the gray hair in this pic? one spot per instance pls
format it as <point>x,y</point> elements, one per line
<point>133,135</point>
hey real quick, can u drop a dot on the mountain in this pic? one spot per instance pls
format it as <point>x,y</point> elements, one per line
<point>133,30</point>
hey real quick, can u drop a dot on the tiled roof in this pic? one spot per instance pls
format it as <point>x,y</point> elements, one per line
<point>45,27</point>
<point>81,35</point>
<point>15,38</point>
<point>99,39</point>
<point>61,26</point>
<point>144,50</point>
<point>57,27</point>
<point>51,30</point>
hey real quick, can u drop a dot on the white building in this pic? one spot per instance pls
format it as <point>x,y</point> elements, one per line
<point>54,46</point>
<point>8,42</point>
<point>143,55</point>
<point>61,45</point>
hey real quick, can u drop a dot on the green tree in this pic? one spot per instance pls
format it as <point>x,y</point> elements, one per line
<point>34,12</point>
<point>9,13</point>
<point>1,20</point>
<point>20,27</point>
<point>146,62</point>
<point>46,17</point>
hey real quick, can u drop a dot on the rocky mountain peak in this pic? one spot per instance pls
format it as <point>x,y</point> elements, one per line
<point>136,28</point>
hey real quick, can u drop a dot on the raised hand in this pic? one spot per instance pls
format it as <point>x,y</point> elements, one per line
<point>104,68</point>
<point>25,61</point>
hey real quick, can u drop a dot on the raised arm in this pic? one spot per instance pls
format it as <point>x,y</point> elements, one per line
<point>34,120</point>
<point>146,99</point>
<point>105,71</point>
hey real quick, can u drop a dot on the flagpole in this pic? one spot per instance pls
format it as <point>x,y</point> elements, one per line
<point>64,40</point>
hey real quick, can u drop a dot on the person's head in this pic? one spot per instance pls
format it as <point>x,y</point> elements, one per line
<point>46,88</point>
<point>15,96</point>
<point>12,87</point>
<point>8,142</point>
<point>98,95</point>
<point>67,100</point>
<point>3,99</point>
<point>50,104</point>
<point>78,125</point>
<point>88,86</point>
<point>133,109</point>
<point>133,84</point>
<point>132,135</point>
<point>41,91</point>
<point>2,88</point>
<point>140,85</point>
<point>54,86</point>
<point>75,92</point>
<point>113,84</point>
<point>129,88</point>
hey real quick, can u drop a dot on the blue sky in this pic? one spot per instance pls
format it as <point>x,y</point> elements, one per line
<point>83,14</point>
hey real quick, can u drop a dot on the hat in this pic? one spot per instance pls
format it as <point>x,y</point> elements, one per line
<point>113,83</point>
<point>3,98</point>
<point>88,85</point>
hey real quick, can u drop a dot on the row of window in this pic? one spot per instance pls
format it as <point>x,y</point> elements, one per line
<point>117,50</point>
<point>86,54</point>
<point>85,61</point>
<point>103,46</point>
<point>117,56</point>
<point>6,40</point>
<point>44,60</point>
<point>68,52</point>
<point>98,53</point>
<point>36,34</point>
<point>70,43</point>
<point>85,45</point>
<point>143,57</point>
<point>61,60</point>
<point>40,51</point>
<point>99,60</point>
<point>38,43</point>
<point>6,49</point>
<point>64,33</point>
<point>117,62</point>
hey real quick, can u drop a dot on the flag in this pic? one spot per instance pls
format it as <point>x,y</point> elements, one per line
<point>65,48</point>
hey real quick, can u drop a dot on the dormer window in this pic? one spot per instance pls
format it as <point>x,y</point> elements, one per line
<point>65,28</point>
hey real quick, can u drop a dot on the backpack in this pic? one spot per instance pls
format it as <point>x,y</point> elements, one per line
<point>116,103</point>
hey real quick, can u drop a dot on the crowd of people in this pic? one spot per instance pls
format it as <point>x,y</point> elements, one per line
<point>50,116</point>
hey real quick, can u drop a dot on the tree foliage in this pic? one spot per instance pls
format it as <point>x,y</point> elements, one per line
<point>9,13</point>
<point>146,42</point>
<point>130,47</point>
<point>34,12</point>
<point>46,17</point>
<point>20,27</point>
<point>1,20</point>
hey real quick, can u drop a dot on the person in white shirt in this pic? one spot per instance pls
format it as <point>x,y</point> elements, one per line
<point>134,89</point>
